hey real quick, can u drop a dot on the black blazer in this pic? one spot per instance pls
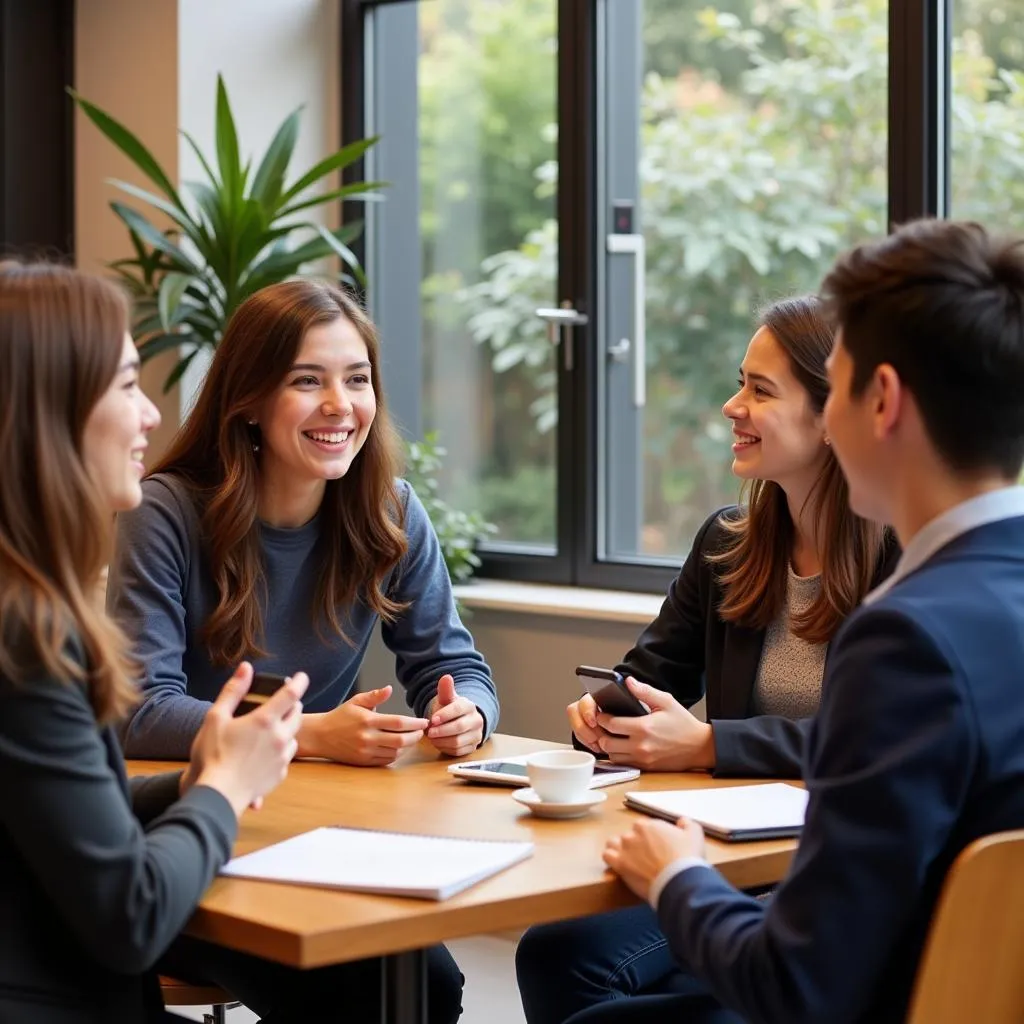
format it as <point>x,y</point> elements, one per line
<point>916,751</point>
<point>691,653</point>
<point>97,875</point>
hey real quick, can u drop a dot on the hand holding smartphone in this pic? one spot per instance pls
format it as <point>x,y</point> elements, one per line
<point>610,693</point>
<point>264,685</point>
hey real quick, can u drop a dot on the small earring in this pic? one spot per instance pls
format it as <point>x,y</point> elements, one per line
<point>255,443</point>
<point>828,440</point>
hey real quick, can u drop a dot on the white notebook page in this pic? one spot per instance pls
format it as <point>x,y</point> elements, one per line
<point>365,860</point>
<point>734,809</point>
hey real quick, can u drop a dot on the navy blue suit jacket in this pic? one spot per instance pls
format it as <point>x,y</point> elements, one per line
<point>917,750</point>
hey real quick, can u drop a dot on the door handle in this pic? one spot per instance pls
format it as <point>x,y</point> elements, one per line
<point>557,318</point>
<point>633,245</point>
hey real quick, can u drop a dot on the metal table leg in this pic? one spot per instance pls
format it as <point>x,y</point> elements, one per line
<point>404,988</point>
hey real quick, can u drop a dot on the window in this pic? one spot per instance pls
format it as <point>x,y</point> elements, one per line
<point>646,173</point>
<point>987,123</point>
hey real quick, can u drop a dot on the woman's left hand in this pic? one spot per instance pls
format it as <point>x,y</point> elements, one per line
<point>456,725</point>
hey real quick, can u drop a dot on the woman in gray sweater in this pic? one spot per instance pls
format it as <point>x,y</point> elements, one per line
<point>275,529</point>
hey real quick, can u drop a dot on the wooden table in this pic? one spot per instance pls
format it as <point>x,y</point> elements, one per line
<point>565,877</point>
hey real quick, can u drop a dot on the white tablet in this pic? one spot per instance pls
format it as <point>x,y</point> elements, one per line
<point>511,771</point>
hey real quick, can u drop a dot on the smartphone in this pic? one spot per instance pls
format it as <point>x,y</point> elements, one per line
<point>264,686</point>
<point>610,693</point>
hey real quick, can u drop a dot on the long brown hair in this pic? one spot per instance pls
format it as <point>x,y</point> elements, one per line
<point>61,337</point>
<point>214,455</point>
<point>754,566</point>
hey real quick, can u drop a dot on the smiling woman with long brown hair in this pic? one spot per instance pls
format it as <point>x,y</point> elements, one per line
<point>275,528</point>
<point>97,875</point>
<point>746,624</point>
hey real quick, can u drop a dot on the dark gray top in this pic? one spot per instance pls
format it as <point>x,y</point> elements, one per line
<point>160,589</point>
<point>97,876</point>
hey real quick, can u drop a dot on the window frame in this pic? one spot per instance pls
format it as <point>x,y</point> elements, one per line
<point>918,186</point>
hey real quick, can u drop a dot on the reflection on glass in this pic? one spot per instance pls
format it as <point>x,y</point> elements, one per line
<point>987,129</point>
<point>486,119</point>
<point>763,154</point>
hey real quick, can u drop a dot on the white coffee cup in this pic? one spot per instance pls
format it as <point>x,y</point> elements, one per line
<point>560,776</point>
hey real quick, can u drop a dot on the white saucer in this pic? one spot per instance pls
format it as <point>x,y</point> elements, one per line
<point>546,809</point>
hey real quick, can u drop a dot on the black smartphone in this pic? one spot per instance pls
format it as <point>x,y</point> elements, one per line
<point>264,686</point>
<point>610,693</point>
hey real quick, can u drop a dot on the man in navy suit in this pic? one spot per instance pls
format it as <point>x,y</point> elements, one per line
<point>918,747</point>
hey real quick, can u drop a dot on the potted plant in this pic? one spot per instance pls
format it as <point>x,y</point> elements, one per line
<point>233,233</point>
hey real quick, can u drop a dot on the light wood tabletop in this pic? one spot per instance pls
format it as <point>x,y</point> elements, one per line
<point>565,877</point>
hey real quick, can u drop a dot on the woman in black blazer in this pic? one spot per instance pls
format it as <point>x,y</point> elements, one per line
<point>746,624</point>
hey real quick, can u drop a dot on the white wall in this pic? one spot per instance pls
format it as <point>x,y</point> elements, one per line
<point>126,62</point>
<point>153,65</point>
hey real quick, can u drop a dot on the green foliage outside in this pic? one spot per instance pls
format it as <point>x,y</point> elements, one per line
<point>458,532</point>
<point>764,131</point>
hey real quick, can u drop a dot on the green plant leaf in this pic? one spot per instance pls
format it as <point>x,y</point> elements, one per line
<point>128,144</point>
<point>278,265</point>
<point>172,289</point>
<point>199,154</point>
<point>190,226</point>
<point>347,256</point>
<point>356,191</point>
<point>345,156</point>
<point>179,370</point>
<point>269,180</point>
<point>156,344</point>
<point>228,161</point>
<point>146,231</point>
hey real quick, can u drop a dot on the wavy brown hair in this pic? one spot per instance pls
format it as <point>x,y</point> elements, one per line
<point>61,337</point>
<point>754,565</point>
<point>214,455</point>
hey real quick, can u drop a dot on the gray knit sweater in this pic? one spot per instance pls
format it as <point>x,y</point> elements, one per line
<point>161,591</point>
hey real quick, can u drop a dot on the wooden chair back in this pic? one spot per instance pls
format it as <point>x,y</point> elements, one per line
<point>971,969</point>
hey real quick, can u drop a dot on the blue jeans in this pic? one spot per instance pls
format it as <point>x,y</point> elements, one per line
<point>609,967</point>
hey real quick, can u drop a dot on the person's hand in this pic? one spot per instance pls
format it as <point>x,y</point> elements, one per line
<point>245,758</point>
<point>642,853</point>
<point>583,720</point>
<point>355,733</point>
<point>669,739</point>
<point>456,725</point>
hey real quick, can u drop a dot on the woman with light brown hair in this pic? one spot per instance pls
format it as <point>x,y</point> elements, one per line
<point>275,528</point>
<point>97,874</point>
<point>746,624</point>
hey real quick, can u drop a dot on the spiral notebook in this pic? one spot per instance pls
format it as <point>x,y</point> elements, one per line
<point>772,810</point>
<point>387,863</point>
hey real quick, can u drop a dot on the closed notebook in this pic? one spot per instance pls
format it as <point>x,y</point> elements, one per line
<point>769,811</point>
<point>389,863</point>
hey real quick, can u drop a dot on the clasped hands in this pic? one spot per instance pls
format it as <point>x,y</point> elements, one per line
<point>356,733</point>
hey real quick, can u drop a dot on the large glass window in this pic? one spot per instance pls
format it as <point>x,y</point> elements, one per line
<point>987,123</point>
<point>754,151</point>
<point>653,171</point>
<point>465,102</point>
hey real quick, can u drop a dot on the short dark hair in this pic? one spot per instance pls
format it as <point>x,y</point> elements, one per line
<point>942,302</point>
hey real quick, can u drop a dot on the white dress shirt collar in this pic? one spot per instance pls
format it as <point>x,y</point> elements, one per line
<point>991,507</point>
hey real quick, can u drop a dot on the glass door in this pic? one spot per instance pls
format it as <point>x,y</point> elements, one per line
<point>464,96</point>
<point>742,144</point>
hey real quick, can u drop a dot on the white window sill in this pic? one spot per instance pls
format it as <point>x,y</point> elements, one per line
<point>568,602</point>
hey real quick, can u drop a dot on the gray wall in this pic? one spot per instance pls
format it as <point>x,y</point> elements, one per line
<point>532,657</point>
